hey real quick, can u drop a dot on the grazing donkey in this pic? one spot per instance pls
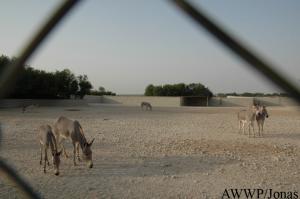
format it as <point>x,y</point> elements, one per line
<point>29,107</point>
<point>65,128</point>
<point>46,139</point>
<point>146,105</point>
<point>261,114</point>
<point>247,117</point>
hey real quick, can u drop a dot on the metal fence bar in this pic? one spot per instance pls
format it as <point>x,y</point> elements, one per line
<point>9,76</point>
<point>239,49</point>
<point>11,175</point>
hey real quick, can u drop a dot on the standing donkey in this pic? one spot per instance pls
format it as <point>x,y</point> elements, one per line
<point>261,114</point>
<point>65,128</point>
<point>46,139</point>
<point>146,105</point>
<point>247,118</point>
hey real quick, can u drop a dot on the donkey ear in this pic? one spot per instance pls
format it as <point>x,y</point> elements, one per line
<point>59,153</point>
<point>91,142</point>
<point>85,145</point>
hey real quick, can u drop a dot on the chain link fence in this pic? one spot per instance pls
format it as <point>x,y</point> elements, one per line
<point>13,181</point>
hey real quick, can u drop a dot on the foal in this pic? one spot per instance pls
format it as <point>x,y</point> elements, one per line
<point>246,119</point>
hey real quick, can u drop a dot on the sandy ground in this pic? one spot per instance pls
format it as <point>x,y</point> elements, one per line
<point>164,153</point>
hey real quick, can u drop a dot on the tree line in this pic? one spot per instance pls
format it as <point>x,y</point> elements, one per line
<point>181,89</point>
<point>39,84</point>
<point>101,91</point>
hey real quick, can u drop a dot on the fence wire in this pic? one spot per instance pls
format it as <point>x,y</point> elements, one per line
<point>9,76</point>
<point>253,60</point>
<point>10,72</point>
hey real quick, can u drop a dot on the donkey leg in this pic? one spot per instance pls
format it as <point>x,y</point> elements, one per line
<point>77,148</point>
<point>74,153</point>
<point>45,159</point>
<point>243,128</point>
<point>262,128</point>
<point>258,127</point>
<point>41,149</point>
<point>64,150</point>
<point>249,133</point>
<point>61,144</point>
<point>252,125</point>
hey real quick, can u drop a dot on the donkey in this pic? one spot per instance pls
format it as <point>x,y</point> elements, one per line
<point>46,139</point>
<point>261,114</point>
<point>65,128</point>
<point>146,105</point>
<point>29,107</point>
<point>247,117</point>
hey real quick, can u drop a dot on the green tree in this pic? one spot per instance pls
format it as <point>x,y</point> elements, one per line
<point>33,83</point>
<point>84,86</point>
<point>149,90</point>
<point>63,81</point>
<point>194,89</point>
<point>74,87</point>
<point>158,91</point>
<point>4,60</point>
<point>101,89</point>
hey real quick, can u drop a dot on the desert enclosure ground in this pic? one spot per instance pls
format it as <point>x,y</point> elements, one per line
<point>181,152</point>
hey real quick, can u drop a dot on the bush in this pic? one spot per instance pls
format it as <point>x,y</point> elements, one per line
<point>194,89</point>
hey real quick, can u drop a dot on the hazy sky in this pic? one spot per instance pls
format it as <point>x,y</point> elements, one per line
<point>124,45</point>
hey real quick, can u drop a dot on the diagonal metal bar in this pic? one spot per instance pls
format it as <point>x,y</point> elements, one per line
<point>10,73</point>
<point>11,175</point>
<point>254,61</point>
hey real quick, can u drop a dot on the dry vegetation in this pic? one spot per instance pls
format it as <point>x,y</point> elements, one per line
<point>165,153</point>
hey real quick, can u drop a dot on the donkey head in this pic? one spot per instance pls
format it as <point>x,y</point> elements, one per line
<point>87,153</point>
<point>56,161</point>
<point>262,111</point>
